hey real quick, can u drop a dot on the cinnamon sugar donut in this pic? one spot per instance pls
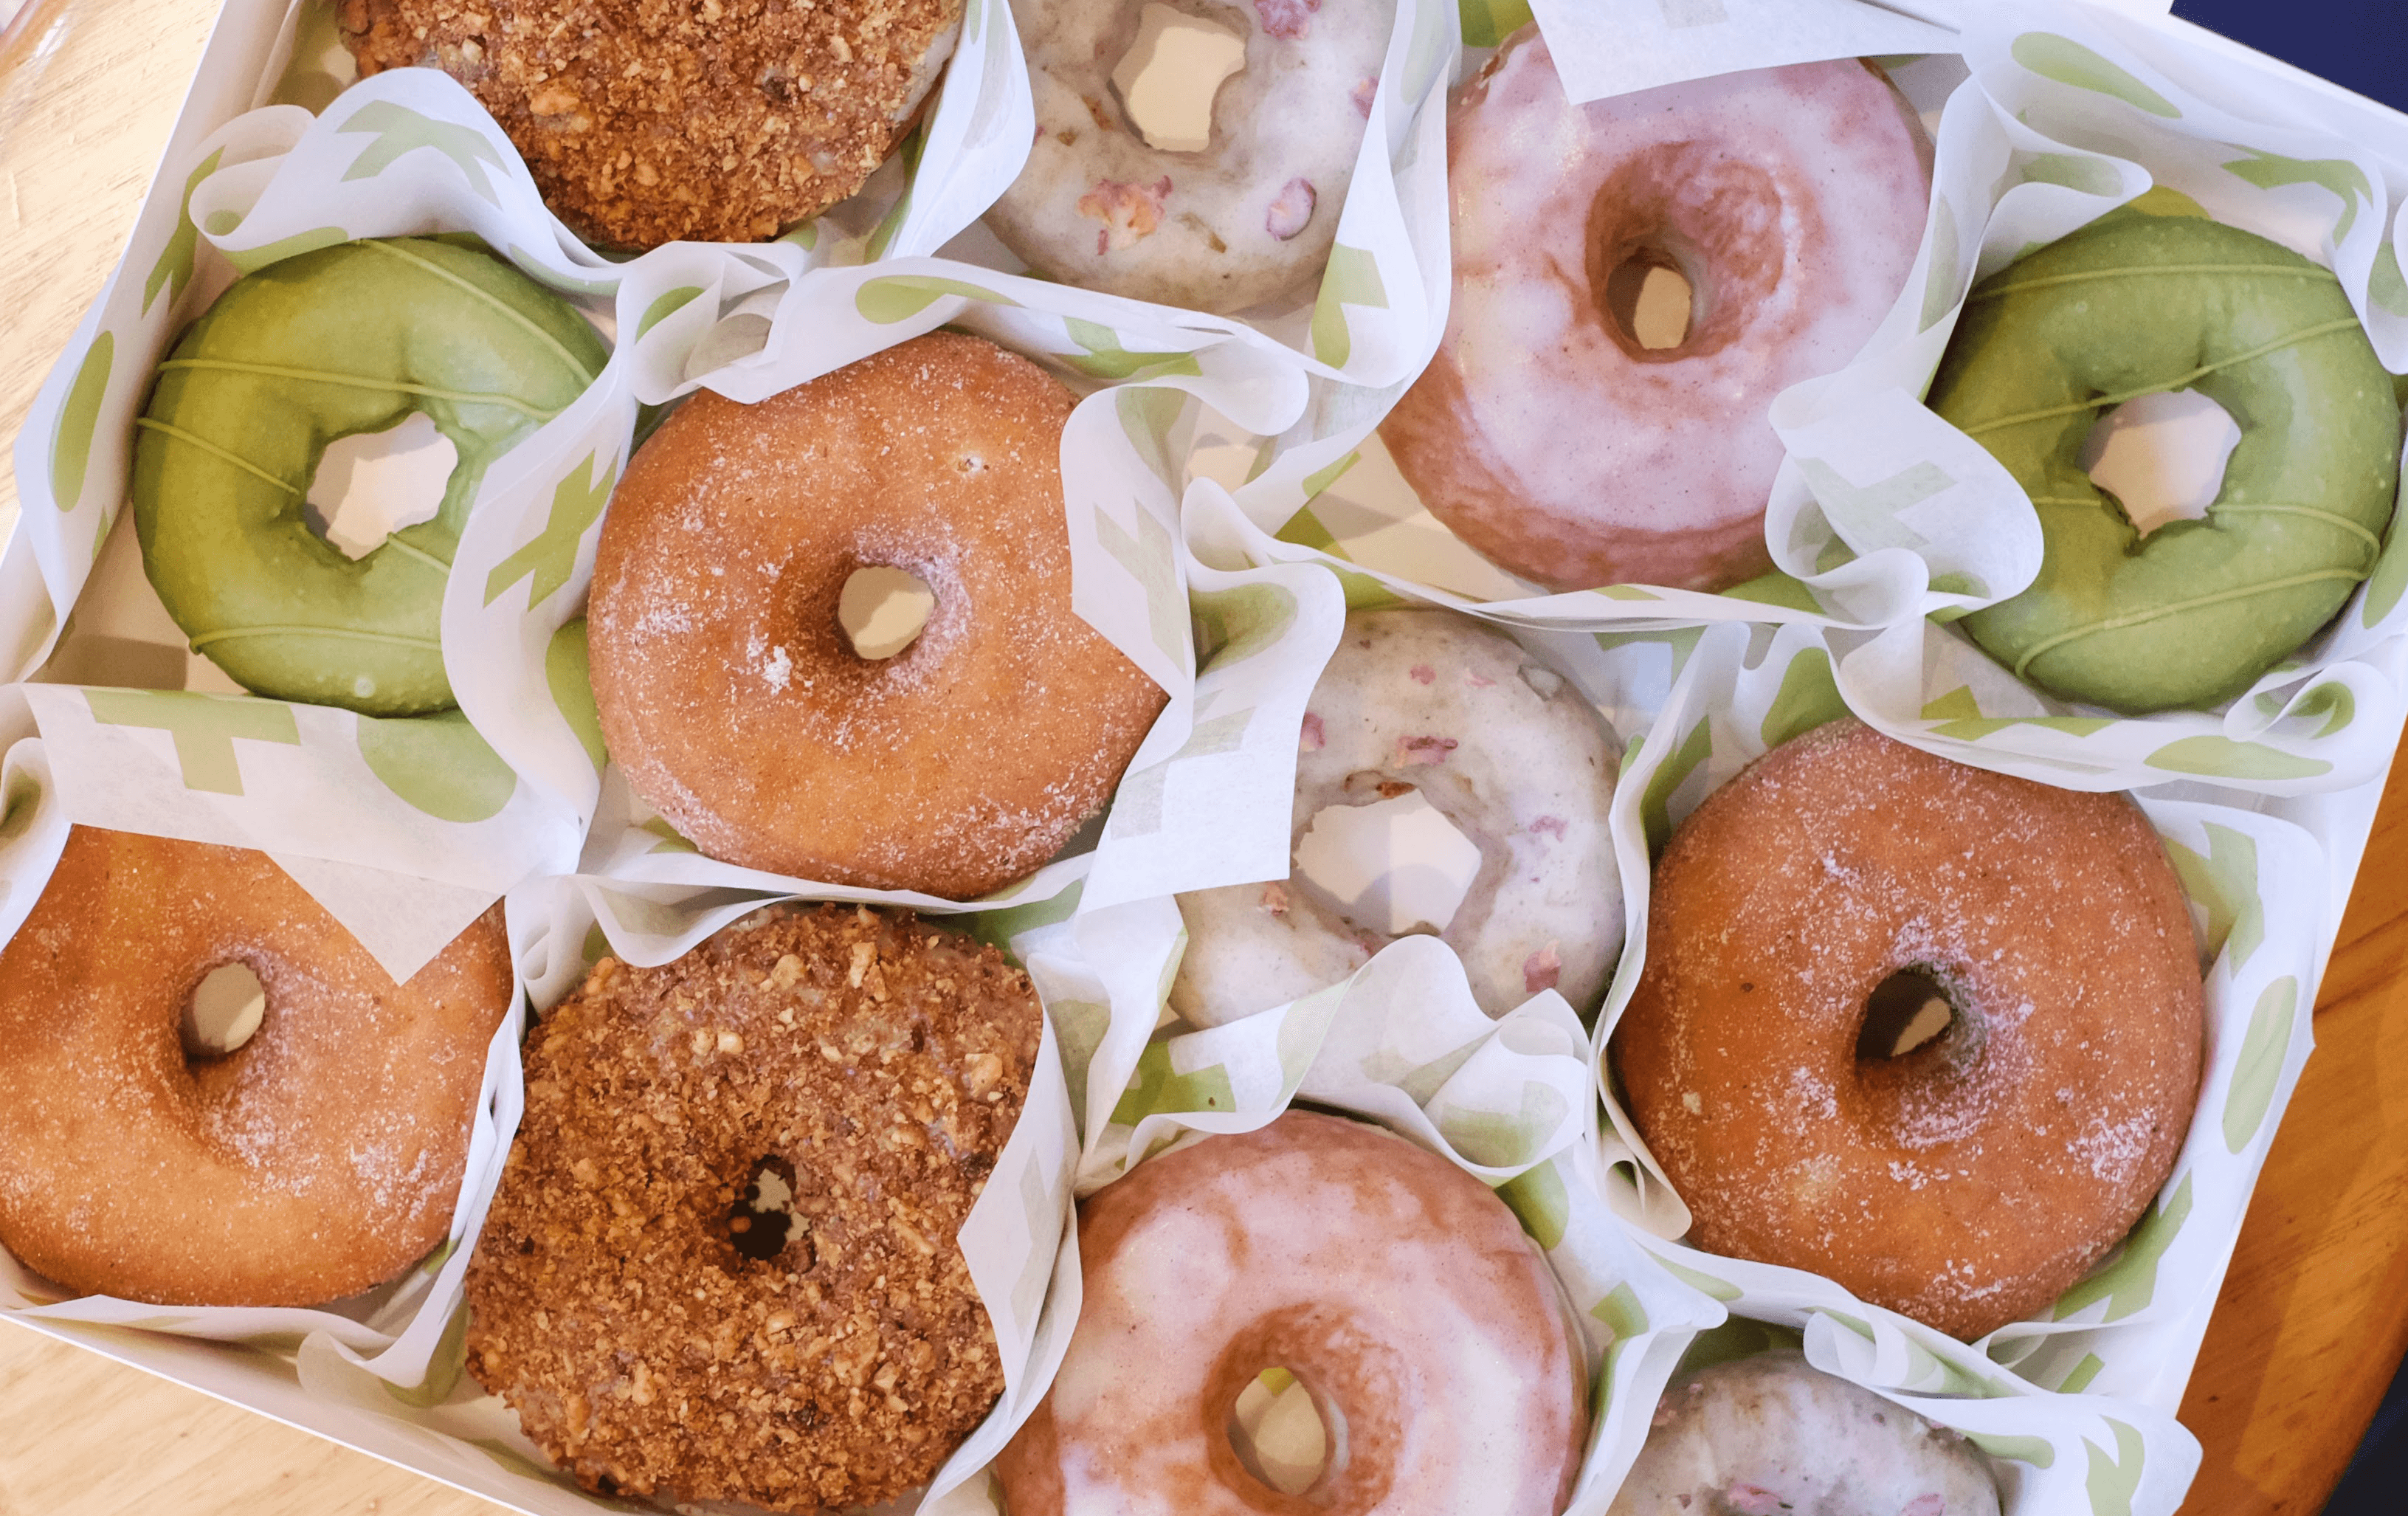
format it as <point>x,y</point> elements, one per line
<point>722,1262</point>
<point>1968,1181</point>
<point>730,694</point>
<point>319,1158</point>
<point>725,120</point>
<point>1397,1288</point>
<point>1543,433</point>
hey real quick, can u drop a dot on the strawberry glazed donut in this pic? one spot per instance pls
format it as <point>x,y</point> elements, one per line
<point>1154,177</point>
<point>1398,1291</point>
<point>1545,431</point>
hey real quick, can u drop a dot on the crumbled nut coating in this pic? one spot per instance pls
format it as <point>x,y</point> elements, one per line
<point>645,121</point>
<point>887,1063</point>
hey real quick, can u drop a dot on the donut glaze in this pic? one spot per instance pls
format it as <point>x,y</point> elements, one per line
<point>2193,612</point>
<point>1494,740</point>
<point>1251,217</point>
<point>1792,199</point>
<point>1772,1434</point>
<point>1969,1181</point>
<point>1397,1288</point>
<point>323,1156</point>
<point>729,692</point>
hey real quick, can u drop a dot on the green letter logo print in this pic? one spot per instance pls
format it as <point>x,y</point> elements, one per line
<point>898,297</point>
<point>399,130</point>
<point>2226,882</point>
<point>174,269</point>
<point>2069,61</point>
<point>204,726</point>
<point>1353,279</point>
<point>2259,1066</point>
<point>567,672</point>
<point>552,557</point>
<point>439,764</point>
<point>1155,1090</point>
<point>2129,1283</point>
<point>1105,358</point>
<point>1151,562</point>
<point>2114,1479</point>
<point>2346,180</point>
<point>71,448</point>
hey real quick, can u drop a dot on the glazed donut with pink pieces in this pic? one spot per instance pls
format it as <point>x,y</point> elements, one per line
<point>1546,432</point>
<point>1244,212</point>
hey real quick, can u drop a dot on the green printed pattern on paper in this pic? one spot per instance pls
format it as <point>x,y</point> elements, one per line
<point>78,419</point>
<point>1156,1091</point>
<point>400,130</point>
<point>1353,279</point>
<point>2258,1067</point>
<point>2131,1282</point>
<point>2068,61</point>
<point>205,728</point>
<point>2224,882</point>
<point>439,765</point>
<point>552,557</point>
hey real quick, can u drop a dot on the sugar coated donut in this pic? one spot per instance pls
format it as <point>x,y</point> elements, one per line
<point>730,694</point>
<point>1423,709</point>
<point>1395,1288</point>
<point>1246,214</point>
<point>323,1156</point>
<point>726,121</point>
<point>1968,1181</point>
<point>1791,199</point>
<point>2192,613</point>
<point>722,1262</point>
<point>320,345</point>
<point>1770,1434</point>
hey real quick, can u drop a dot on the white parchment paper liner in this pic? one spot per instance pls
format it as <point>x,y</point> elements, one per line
<point>2070,112</point>
<point>2130,1329</point>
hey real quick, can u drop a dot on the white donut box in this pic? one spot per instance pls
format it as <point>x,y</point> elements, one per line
<point>1255,476</point>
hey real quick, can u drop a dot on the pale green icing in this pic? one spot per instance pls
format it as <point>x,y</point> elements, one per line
<point>321,346</point>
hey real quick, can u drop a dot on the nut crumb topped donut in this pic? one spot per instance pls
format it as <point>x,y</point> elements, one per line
<point>320,1157</point>
<point>661,1322</point>
<point>723,120</point>
<point>730,694</point>
<point>1970,1180</point>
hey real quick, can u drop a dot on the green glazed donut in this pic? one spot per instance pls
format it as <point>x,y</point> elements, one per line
<point>318,346</point>
<point>2130,305</point>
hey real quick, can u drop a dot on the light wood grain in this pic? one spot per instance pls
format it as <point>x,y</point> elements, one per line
<point>83,1435</point>
<point>2315,1313</point>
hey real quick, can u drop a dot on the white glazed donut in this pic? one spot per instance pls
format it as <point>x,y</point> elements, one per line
<point>1430,703</point>
<point>1247,219</point>
<point>1772,1436</point>
<point>1398,1289</point>
<point>1792,200</point>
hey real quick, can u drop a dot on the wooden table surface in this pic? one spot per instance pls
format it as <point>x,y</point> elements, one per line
<point>2314,1315</point>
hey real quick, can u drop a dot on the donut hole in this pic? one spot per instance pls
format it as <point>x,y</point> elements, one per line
<point>1906,1012</point>
<point>1278,1432</point>
<point>222,1013</point>
<point>762,1224</point>
<point>1650,301</point>
<point>371,484</point>
<point>2162,457</point>
<point>882,610</point>
<point>1685,246</point>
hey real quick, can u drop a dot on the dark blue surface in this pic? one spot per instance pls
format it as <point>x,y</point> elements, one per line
<point>2362,44</point>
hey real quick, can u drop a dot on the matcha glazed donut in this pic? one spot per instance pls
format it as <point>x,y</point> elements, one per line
<point>2131,305</point>
<point>315,347</point>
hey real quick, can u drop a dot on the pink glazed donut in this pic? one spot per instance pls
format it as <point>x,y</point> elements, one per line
<point>1398,1289</point>
<point>1791,199</point>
